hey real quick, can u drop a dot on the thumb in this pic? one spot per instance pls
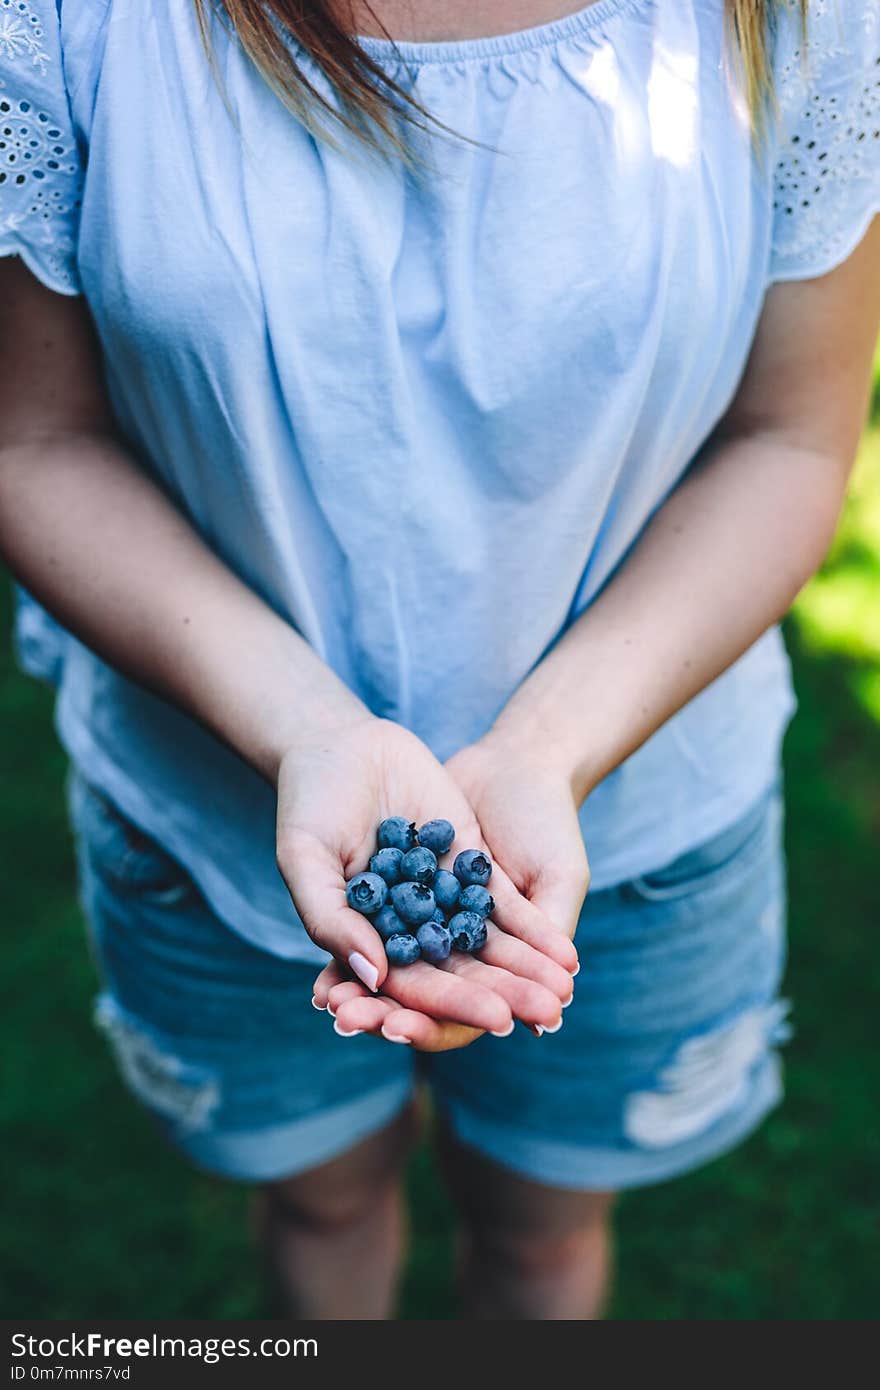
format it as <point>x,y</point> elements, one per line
<point>559,894</point>
<point>316,884</point>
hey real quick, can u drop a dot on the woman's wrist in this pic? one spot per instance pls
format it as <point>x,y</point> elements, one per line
<point>535,726</point>
<point>307,706</point>
<point>279,698</point>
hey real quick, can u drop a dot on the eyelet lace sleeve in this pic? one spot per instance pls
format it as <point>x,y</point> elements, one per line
<point>827,176</point>
<point>40,166</point>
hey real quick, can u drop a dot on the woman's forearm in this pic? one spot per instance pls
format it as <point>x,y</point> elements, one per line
<point>720,562</point>
<point>96,542</point>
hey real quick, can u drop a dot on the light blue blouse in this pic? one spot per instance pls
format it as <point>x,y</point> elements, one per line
<point>426,417</point>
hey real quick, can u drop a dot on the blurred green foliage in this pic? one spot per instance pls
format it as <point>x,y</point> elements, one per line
<point>98,1219</point>
<point>840,611</point>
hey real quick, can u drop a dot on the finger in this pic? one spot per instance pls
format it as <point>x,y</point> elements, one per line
<point>522,919</point>
<point>383,1018</point>
<point>528,1001</point>
<point>316,885</point>
<point>449,999</point>
<point>426,1034</point>
<point>560,897</point>
<point>347,989</point>
<point>362,1013</point>
<point>331,975</point>
<point>515,956</point>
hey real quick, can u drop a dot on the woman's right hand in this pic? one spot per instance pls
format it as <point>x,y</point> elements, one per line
<point>333,790</point>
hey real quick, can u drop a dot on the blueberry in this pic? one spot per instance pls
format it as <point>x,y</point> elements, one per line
<point>468,931</point>
<point>446,889</point>
<point>402,950</point>
<point>435,942</point>
<point>397,833</point>
<point>437,835</point>
<point>472,866</point>
<point>476,898</point>
<point>387,923</point>
<point>366,893</point>
<point>387,865</point>
<point>438,915</point>
<point>414,902</point>
<point>419,865</point>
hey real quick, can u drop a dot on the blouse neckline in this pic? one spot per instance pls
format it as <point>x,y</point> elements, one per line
<point>496,45</point>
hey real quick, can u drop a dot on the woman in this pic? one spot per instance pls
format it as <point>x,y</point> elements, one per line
<point>463,394</point>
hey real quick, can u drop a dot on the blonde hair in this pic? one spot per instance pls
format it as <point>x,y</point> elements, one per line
<point>751,21</point>
<point>370,104</point>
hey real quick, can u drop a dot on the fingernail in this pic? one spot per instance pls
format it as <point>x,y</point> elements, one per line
<point>320,1007</point>
<point>577,969</point>
<point>365,970</point>
<point>538,1029</point>
<point>343,1034</point>
<point>396,1038</point>
<point>556,1027</point>
<point>507,1032</point>
<point>568,1001</point>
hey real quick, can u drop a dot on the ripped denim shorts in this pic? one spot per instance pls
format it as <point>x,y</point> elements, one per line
<point>667,1057</point>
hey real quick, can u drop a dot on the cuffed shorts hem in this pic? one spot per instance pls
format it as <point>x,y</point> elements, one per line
<point>284,1150</point>
<point>598,1168</point>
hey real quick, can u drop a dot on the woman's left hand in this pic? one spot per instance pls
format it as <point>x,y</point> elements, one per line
<point>527,812</point>
<point>524,802</point>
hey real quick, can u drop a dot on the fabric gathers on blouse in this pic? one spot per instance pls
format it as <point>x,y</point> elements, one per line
<point>426,414</point>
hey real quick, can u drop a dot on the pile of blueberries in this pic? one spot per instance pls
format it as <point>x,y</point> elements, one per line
<point>419,909</point>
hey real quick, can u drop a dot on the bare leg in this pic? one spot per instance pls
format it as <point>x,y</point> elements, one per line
<point>333,1237</point>
<point>529,1252</point>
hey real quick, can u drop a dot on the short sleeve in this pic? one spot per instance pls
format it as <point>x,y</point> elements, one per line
<point>40,166</point>
<point>826,186</point>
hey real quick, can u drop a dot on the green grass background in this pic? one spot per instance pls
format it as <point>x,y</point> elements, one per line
<point>97,1219</point>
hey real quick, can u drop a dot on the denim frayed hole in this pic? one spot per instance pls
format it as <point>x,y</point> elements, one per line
<point>185,1094</point>
<point>709,1075</point>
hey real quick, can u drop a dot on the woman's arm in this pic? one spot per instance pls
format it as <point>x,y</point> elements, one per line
<point>720,562</point>
<point>727,553</point>
<point>102,547</point>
